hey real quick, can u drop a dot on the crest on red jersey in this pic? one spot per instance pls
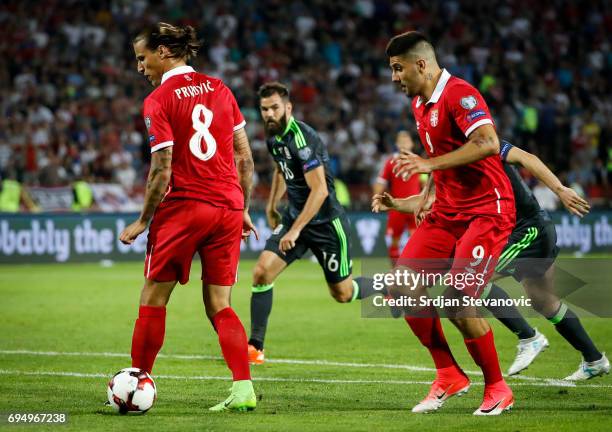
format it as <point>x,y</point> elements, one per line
<point>433,118</point>
<point>469,102</point>
<point>147,120</point>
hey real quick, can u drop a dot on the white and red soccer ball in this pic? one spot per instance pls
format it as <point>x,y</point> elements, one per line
<point>131,390</point>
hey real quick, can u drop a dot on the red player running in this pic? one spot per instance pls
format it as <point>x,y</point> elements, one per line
<point>471,219</point>
<point>197,199</point>
<point>398,222</point>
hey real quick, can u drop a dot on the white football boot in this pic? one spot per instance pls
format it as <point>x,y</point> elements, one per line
<point>588,370</point>
<point>528,350</point>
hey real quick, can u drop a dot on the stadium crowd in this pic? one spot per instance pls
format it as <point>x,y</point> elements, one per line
<point>71,97</point>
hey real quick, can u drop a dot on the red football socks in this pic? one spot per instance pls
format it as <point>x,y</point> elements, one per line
<point>148,336</point>
<point>429,331</point>
<point>233,341</point>
<point>484,354</point>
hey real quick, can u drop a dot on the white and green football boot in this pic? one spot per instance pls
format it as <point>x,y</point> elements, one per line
<point>588,370</point>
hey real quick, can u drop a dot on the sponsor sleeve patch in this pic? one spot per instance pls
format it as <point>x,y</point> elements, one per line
<point>475,114</point>
<point>312,164</point>
<point>505,149</point>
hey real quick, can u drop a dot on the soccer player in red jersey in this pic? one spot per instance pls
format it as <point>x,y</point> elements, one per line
<point>398,222</point>
<point>471,219</point>
<point>196,200</point>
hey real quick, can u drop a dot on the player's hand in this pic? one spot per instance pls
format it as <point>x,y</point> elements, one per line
<point>382,202</point>
<point>287,242</point>
<point>129,234</point>
<point>573,202</point>
<point>423,209</point>
<point>420,216</point>
<point>409,163</point>
<point>248,227</point>
<point>274,218</point>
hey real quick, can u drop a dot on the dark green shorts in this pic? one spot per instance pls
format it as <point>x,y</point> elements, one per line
<point>531,250</point>
<point>329,242</point>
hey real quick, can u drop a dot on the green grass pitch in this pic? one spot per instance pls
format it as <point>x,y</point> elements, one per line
<point>64,329</point>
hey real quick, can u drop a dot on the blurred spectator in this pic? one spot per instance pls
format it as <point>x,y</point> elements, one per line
<point>342,193</point>
<point>13,193</point>
<point>83,195</point>
<point>71,97</point>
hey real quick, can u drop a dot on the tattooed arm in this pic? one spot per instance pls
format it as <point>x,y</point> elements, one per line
<point>157,184</point>
<point>245,168</point>
<point>483,142</point>
<point>244,164</point>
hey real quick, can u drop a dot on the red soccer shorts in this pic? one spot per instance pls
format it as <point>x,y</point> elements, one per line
<point>461,245</point>
<point>398,222</point>
<point>180,228</point>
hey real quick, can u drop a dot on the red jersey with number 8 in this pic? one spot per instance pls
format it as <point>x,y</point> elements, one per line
<point>444,124</point>
<point>197,115</point>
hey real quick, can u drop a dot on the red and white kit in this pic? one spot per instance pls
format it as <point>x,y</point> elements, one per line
<point>202,209</point>
<point>399,222</point>
<point>474,212</point>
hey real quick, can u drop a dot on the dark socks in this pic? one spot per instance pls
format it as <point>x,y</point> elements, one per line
<point>364,287</point>
<point>568,325</point>
<point>261,306</point>
<point>509,315</point>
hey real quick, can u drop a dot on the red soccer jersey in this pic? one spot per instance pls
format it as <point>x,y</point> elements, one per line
<point>444,122</point>
<point>198,115</point>
<point>397,186</point>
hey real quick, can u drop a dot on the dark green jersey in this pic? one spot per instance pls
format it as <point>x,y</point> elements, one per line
<point>297,151</point>
<point>527,205</point>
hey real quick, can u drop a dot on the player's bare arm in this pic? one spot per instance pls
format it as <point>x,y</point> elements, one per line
<point>570,199</point>
<point>245,168</point>
<point>481,143</point>
<point>157,185</point>
<point>277,190</point>
<point>428,196</point>
<point>379,187</point>
<point>318,193</point>
<point>244,164</point>
<point>385,202</point>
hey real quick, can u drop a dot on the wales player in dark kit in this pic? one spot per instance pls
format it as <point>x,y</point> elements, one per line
<point>313,219</point>
<point>529,258</point>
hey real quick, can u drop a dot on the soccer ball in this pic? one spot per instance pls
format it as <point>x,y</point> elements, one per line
<point>131,390</point>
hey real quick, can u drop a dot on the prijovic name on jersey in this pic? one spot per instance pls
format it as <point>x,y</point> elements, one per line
<point>297,151</point>
<point>527,206</point>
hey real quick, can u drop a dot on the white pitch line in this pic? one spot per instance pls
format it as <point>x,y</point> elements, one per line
<point>273,379</point>
<point>316,362</point>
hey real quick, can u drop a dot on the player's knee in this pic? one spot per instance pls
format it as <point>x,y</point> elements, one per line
<point>214,307</point>
<point>155,294</point>
<point>341,292</point>
<point>545,305</point>
<point>542,301</point>
<point>342,297</point>
<point>261,274</point>
<point>461,323</point>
